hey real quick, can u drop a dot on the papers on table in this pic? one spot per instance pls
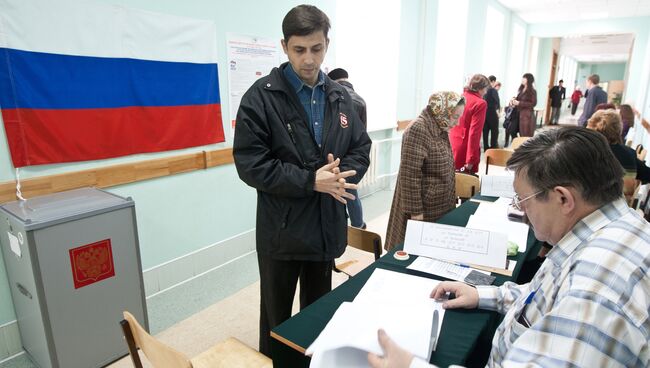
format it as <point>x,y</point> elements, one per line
<point>456,244</point>
<point>447,269</point>
<point>398,303</point>
<point>516,232</point>
<point>498,185</point>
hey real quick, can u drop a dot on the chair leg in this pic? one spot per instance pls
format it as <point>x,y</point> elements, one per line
<point>377,246</point>
<point>130,341</point>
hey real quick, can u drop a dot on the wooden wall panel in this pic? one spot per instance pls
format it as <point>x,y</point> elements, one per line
<point>109,176</point>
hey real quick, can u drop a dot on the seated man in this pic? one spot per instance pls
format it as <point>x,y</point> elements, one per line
<point>588,304</point>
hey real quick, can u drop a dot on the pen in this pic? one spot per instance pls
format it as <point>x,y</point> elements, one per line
<point>463,265</point>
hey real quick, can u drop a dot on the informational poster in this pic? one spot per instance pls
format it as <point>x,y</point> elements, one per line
<point>249,58</point>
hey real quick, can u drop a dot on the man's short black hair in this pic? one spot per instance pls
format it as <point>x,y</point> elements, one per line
<point>492,79</point>
<point>304,20</point>
<point>572,157</point>
<point>561,81</point>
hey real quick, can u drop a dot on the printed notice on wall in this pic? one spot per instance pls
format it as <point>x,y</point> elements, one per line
<point>249,58</point>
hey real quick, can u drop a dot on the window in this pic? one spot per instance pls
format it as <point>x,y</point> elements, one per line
<point>450,45</point>
<point>493,43</point>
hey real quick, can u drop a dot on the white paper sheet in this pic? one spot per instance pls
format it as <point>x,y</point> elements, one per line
<point>516,232</point>
<point>440,268</point>
<point>497,186</point>
<point>14,244</point>
<point>456,244</point>
<point>398,303</point>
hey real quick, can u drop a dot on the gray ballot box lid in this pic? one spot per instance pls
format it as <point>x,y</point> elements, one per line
<point>51,209</point>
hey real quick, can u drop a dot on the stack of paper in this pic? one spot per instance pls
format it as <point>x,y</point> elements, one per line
<point>494,216</point>
<point>398,303</point>
<point>498,185</point>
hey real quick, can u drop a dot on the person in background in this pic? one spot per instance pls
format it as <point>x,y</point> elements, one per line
<point>593,97</point>
<point>466,136</point>
<point>525,101</point>
<point>300,171</point>
<point>575,99</point>
<point>588,305</point>
<point>491,127</point>
<point>556,95</point>
<point>340,76</point>
<point>425,188</point>
<point>608,123</point>
<point>627,119</point>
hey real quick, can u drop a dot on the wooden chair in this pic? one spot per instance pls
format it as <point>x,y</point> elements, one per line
<point>496,156</point>
<point>630,189</point>
<point>517,141</point>
<point>364,240</point>
<point>228,353</point>
<point>403,124</point>
<point>641,152</point>
<point>466,186</point>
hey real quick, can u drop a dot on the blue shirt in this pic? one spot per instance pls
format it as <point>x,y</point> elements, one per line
<point>312,99</point>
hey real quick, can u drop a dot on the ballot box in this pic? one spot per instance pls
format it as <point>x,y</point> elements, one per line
<point>73,265</point>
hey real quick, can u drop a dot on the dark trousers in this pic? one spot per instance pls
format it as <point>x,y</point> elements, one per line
<point>574,107</point>
<point>491,129</point>
<point>508,135</point>
<point>278,281</point>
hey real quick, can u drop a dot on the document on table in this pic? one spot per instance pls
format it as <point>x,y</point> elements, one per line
<point>516,232</point>
<point>446,269</point>
<point>413,323</point>
<point>456,244</point>
<point>497,186</point>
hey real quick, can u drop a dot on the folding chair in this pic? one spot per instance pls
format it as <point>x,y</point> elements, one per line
<point>466,186</point>
<point>517,141</point>
<point>228,353</point>
<point>497,157</point>
<point>363,240</point>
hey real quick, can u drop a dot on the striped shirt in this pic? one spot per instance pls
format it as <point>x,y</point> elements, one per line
<point>591,302</point>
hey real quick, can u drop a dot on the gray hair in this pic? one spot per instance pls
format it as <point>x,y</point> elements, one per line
<point>572,157</point>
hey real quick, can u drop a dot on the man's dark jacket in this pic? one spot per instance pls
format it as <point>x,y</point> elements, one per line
<point>593,97</point>
<point>557,94</point>
<point>359,102</point>
<point>276,153</point>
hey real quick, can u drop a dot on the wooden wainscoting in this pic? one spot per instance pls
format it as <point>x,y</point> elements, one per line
<point>108,176</point>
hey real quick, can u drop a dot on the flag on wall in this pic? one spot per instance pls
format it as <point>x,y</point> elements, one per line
<point>81,80</point>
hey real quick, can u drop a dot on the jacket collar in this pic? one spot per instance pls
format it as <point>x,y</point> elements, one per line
<point>276,81</point>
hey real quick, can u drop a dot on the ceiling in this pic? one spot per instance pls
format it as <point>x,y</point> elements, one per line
<point>547,11</point>
<point>607,48</point>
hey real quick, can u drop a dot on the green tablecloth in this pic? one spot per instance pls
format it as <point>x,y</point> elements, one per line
<point>465,336</point>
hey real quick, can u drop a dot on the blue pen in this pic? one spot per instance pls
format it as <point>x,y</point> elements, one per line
<point>522,315</point>
<point>462,265</point>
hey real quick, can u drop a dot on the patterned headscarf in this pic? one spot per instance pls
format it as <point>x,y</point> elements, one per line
<point>442,106</point>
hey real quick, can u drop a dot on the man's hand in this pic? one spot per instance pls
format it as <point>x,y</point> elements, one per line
<point>419,217</point>
<point>330,180</point>
<point>466,296</point>
<point>394,356</point>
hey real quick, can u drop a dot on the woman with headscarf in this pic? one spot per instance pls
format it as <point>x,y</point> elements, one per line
<point>525,102</point>
<point>426,181</point>
<point>466,136</point>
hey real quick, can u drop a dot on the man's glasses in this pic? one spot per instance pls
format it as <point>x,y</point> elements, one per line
<point>516,202</point>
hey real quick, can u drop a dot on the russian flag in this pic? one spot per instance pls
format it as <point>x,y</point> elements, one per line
<point>81,80</point>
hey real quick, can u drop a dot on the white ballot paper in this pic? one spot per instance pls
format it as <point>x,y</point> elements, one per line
<point>456,244</point>
<point>398,303</point>
<point>497,186</point>
<point>516,232</point>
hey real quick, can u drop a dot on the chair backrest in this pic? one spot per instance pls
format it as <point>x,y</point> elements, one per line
<point>517,141</point>
<point>403,124</point>
<point>466,186</point>
<point>630,189</point>
<point>159,354</point>
<point>365,240</point>
<point>641,152</point>
<point>496,156</point>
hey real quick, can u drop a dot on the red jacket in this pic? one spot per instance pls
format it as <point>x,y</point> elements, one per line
<point>575,97</point>
<point>465,138</point>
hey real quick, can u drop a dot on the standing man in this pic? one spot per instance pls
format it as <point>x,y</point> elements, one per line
<point>491,126</point>
<point>588,305</point>
<point>557,94</point>
<point>340,76</point>
<point>300,143</point>
<point>594,95</point>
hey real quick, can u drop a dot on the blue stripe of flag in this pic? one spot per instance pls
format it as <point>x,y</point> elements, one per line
<point>53,81</point>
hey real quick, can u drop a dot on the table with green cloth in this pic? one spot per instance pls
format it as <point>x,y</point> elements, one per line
<point>465,337</point>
